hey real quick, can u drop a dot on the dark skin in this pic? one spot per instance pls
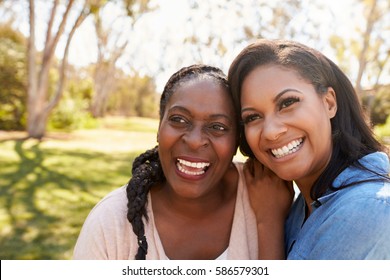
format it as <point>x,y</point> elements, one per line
<point>208,219</point>
<point>194,208</point>
<point>270,199</point>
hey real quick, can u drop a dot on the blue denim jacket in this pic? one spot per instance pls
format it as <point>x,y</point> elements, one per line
<point>350,224</point>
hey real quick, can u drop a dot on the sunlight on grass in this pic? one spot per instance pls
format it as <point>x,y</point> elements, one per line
<point>131,124</point>
<point>48,188</point>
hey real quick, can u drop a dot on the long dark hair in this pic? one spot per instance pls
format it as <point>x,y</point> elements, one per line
<point>147,170</point>
<point>352,137</point>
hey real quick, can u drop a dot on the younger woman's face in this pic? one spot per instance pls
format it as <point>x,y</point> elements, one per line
<point>287,123</point>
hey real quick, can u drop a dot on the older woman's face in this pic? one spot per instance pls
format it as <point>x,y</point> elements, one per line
<point>287,123</point>
<point>197,138</point>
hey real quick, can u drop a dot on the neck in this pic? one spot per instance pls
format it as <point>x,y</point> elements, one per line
<point>305,189</point>
<point>197,207</point>
<point>193,208</point>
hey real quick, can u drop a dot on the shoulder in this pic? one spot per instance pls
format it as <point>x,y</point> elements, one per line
<point>368,168</point>
<point>232,179</point>
<point>239,170</point>
<point>369,200</point>
<point>375,194</point>
<point>354,223</point>
<point>359,217</point>
<point>114,203</point>
<point>109,216</point>
<point>242,200</point>
<point>105,225</point>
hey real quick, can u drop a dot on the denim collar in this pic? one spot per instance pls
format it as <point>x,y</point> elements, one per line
<point>377,162</point>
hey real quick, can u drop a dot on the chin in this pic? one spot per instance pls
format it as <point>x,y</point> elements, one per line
<point>286,175</point>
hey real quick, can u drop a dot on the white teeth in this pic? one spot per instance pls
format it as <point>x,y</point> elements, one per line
<point>291,147</point>
<point>198,165</point>
<point>193,164</point>
<point>181,169</point>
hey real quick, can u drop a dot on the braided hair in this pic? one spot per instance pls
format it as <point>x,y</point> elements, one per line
<point>147,169</point>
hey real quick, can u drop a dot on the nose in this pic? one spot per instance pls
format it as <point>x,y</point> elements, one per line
<point>195,138</point>
<point>273,128</point>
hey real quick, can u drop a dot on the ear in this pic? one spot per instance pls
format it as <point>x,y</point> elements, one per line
<point>158,132</point>
<point>330,102</point>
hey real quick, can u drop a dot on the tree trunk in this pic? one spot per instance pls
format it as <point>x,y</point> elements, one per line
<point>38,105</point>
<point>37,124</point>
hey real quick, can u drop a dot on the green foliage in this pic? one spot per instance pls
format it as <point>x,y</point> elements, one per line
<point>13,77</point>
<point>71,114</point>
<point>79,88</point>
<point>6,31</point>
<point>383,131</point>
<point>134,96</point>
<point>72,111</point>
<point>381,106</point>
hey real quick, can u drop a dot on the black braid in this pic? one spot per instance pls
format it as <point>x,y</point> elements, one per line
<point>147,169</point>
<point>146,172</point>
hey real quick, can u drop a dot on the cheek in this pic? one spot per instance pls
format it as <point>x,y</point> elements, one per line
<point>226,148</point>
<point>252,136</point>
<point>324,137</point>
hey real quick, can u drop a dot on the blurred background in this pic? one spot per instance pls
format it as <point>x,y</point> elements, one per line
<point>80,82</point>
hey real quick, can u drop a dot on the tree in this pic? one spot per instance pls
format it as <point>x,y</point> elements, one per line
<point>370,49</point>
<point>13,76</point>
<point>369,53</point>
<point>111,46</point>
<point>134,95</point>
<point>39,103</point>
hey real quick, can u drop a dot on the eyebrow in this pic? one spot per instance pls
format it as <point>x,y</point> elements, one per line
<point>280,94</point>
<point>276,98</point>
<point>179,108</point>
<point>212,116</point>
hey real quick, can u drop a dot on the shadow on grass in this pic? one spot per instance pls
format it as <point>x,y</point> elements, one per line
<point>46,195</point>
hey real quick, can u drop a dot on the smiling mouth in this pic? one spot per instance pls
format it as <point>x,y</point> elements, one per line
<point>290,148</point>
<point>192,168</point>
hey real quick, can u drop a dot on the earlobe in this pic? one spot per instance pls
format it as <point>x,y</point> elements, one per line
<point>331,102</point>
<point>158,133</point>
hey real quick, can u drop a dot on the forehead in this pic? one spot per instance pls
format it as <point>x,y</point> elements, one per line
<point>271,76</point>
<point>206,94</point>
<point>273,72</point>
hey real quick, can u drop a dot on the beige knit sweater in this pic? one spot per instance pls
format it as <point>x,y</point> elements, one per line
<point>107,234</point>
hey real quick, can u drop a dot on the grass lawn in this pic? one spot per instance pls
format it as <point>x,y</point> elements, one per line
<point>47,188</point>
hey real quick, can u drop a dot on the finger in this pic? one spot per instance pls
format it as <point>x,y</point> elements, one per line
<point>249,165</point>
<point>258,169</point>
<point>268,172</point>
<point>248,171</point>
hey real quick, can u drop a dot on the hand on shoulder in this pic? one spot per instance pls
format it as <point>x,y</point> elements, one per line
<point>270,196</point>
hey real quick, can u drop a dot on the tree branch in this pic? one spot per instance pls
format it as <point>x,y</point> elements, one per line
<point>57,96</point>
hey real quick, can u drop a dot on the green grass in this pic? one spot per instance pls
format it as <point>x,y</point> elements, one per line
<point>47,188</point>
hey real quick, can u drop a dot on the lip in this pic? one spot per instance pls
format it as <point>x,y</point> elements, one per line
<point>191,168</point>
<point>290,148</point>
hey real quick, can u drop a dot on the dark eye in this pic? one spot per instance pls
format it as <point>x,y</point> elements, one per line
<point>250,118</point>
<point>218,127</point>
<point>287,102</point>
<point>178,119</point>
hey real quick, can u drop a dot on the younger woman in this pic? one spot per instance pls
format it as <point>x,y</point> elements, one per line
<point>302,119</point>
